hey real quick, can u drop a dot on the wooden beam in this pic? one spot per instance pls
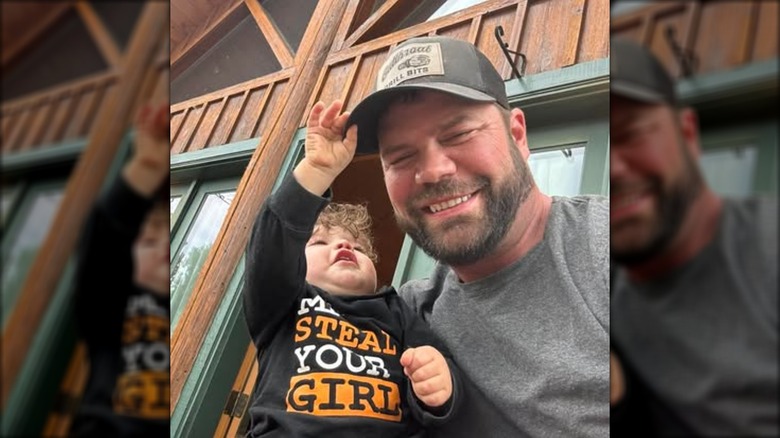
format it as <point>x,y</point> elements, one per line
<point>80,194</point>
<point>100,34</point>
<point>357,12</point>
<point>389,14</point>
<point>277,41</point>
<point>37,31</point>
<point>254,187</point>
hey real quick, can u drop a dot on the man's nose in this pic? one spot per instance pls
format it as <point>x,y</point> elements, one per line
<point>617,164</point>
<point>434,165</point>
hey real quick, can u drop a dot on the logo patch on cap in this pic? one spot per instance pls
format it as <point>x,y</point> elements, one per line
<point>409,62</point>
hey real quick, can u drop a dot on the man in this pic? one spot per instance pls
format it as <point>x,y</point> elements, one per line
<point>694,293</point>
<point>520,293</point>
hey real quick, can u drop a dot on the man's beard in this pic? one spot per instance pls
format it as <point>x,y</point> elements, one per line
<point>502,201</point>
<point>673,206</point>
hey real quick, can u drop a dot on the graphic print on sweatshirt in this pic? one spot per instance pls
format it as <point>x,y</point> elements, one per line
<point>342,370</point>
<point>143,388</point>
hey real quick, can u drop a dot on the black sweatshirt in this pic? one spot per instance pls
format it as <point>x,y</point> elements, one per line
<point>126,328</point>
<point>328,365</point>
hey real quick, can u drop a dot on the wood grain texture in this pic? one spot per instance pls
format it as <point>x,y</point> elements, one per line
<point>723,49</point>
<point>594,37</point>
<point>253,188</point>
<point>766,36</point>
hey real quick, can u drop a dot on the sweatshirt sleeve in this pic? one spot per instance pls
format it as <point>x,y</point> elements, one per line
<point>418,333</point>
<point>104,273</point>
<point>275,275</point>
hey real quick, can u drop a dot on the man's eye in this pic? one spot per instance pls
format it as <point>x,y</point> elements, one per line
<point>401,160</point>
<point>360,248</point>
<point>317,242</point>
<point>459,136</point>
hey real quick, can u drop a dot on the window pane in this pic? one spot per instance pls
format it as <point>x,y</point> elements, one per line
<point>19,253</point>
<point>5,203</point>
<point>187,262</point>
<point>730,171</point>
<point>174,203</point>
<point>558,174</point>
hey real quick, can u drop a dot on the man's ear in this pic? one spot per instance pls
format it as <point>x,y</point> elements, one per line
<point>518,131</point>
<point>689,130</point>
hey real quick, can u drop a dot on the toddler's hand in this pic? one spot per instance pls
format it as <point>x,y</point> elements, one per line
<point>429,373</point>
<point>326,150</point>
<point>150,163</point>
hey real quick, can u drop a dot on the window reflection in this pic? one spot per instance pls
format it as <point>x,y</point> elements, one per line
<point>730,171</point>
<point>558,172</point>
<point>193,251</point>
<point>174,203</point>
<point>20,251</point>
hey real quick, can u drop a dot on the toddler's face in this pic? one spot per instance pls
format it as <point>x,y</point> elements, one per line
<point>336,263</point>
<point>151,253</point>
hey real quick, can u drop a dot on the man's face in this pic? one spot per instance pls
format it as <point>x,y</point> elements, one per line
<point>151,252</point>
<point>653,177</point>
<point>454,173</point>
<point>337,263</point>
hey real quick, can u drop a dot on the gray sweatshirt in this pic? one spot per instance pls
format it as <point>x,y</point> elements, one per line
<point>533,338</point>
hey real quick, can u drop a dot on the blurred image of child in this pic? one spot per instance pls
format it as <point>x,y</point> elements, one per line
<point>122,299</point>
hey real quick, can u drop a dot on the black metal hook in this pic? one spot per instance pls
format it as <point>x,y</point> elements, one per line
<point>686,58</point>
<point>499,33</point>
<point>566,152</point>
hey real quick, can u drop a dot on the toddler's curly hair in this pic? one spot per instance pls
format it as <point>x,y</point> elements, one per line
<point>353,218</point>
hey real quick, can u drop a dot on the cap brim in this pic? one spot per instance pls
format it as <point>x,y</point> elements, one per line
<point>635,92</point>
<point>366,114</point>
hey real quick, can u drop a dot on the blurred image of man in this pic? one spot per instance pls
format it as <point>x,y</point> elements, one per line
<point>694,309</point>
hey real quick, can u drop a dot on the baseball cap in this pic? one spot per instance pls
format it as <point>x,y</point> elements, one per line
<point>635,73</point>
<point>427,63</point>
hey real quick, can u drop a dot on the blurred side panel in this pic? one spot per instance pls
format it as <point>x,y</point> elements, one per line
<point>73,74</point>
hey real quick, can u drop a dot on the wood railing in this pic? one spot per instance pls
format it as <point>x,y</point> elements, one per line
<point>582,27</point>
<point>697,28</point>
<point>55,115</point>
<point>242,111</point>
<point>228,115</point>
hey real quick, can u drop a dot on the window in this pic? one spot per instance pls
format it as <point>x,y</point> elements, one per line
<point>20,246</point>
<point>559,171</point>
<point>730,171</point>
<point>7,202</point>
<point>174,203</point>
<point>192,242</point>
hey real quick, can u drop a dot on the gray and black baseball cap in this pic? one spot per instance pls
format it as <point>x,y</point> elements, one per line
<point>635,73</point>
<point>427,63</point>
